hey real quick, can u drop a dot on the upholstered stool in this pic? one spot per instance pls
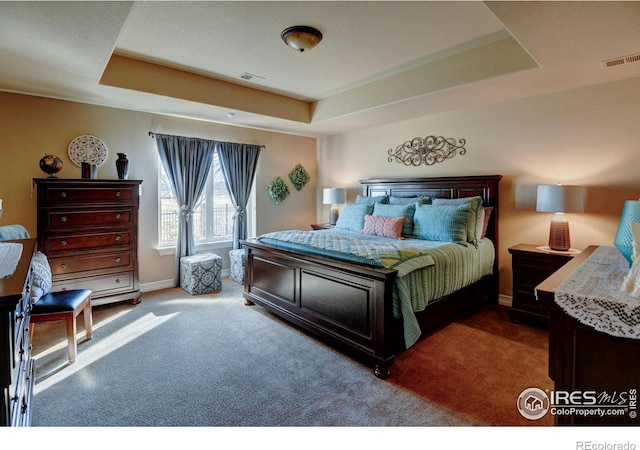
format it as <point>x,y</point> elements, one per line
<point>67,306</point>
<point>236,260</point>
<point>201,274</point>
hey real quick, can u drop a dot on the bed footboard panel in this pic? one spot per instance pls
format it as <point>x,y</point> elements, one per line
<point>346,304</point>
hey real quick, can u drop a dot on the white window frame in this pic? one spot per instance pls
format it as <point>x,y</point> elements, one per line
<point>211,243</point>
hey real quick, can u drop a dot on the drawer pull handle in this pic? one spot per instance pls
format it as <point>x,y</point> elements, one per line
<point>118,259</point>
<point>63,194</point>
<point>64,242</point>
<point>63,218</point>
<point>118,238</point>
<point>117,215</point>
<point>117,280</point>
<point>64,266</point>
<point>118,194</point>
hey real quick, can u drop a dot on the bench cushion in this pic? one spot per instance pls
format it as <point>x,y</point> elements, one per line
<point>62,301</point>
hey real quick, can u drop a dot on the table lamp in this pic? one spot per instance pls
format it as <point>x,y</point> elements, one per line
<point>624,236</point>
<point>560,199</point>
<point>333,196</point>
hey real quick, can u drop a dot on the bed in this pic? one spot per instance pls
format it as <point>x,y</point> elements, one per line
<point>357,303</point>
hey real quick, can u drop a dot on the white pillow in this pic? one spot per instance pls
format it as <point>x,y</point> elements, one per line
<point>40,276</point>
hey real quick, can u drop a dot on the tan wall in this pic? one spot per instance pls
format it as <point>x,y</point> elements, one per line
<point>588,137</point>
<point>31,127</point>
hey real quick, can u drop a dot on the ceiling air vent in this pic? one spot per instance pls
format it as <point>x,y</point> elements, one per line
<point>621,60</point>
<point>249,76</point>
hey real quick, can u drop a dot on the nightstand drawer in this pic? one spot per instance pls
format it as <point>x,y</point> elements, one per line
<point>530,267</point>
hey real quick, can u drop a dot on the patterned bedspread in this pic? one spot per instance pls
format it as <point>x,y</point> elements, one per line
<point>369,250</point>
<point>427,270</point>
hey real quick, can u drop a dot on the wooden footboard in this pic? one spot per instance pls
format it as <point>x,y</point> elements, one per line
<point>346,304</point>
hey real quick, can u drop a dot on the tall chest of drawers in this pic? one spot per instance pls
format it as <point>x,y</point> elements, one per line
<point>17,376</point>
<point>89,231</point>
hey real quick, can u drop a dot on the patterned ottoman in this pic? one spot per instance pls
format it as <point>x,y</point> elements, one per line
<point>236,261</point>
<point>200,274</point>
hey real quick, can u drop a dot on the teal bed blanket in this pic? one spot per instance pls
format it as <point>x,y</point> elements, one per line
<point>427,270</point>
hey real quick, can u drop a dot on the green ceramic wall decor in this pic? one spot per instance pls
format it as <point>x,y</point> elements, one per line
<point>278,190</point>
<point>299,177</point>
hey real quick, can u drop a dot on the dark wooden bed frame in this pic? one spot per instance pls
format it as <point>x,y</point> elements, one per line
<point>350,305</point>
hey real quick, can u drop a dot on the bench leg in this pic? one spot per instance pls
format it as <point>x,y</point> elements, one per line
<point>72,345</point>
<point>88,321</point>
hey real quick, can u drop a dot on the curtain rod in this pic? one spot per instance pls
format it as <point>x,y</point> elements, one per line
<point>152,134</point>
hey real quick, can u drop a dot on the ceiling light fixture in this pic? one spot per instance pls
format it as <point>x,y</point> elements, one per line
<point>301,38</point>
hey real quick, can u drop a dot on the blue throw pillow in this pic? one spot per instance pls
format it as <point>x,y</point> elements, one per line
<point>351,217</point>
<point>475,204</point>
<point>445,223</point>
<point>407,211</point>
<point>363,200</point>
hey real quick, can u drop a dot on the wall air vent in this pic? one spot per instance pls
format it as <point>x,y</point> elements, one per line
<point>621,60</point>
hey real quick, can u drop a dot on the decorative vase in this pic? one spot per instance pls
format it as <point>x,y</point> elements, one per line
<point>50,165</point>
<point>122,165</point>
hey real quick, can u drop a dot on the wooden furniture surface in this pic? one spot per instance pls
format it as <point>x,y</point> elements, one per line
<point>350,305</point>
<point>530,266</point>
<point>17,375</point>
<point>584,359</point>
<point>321,226</point>
<point>89,231</point>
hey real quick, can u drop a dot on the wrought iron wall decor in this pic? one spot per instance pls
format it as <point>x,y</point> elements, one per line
<point>428,150</point>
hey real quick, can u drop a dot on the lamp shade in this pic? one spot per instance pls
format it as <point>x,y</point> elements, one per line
<point>624,235</point>
<point>331,196</point>
<point>559,198</point>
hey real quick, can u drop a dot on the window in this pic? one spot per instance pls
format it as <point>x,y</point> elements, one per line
<point>212,217</point>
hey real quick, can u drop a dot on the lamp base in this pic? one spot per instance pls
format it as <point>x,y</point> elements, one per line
<point>333,215</point>
<point>559,239</point>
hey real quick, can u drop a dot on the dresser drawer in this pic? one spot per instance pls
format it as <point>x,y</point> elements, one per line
<point>85,241</point>
<point>100,284</point>
<point>87,195</point>
<point>85,262</point>
<point>67,219</point>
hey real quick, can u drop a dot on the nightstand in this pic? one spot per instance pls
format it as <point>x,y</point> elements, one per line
<point>321,226</point>
<point>530,267</point>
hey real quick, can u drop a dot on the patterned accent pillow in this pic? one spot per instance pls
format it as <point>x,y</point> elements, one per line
<point>352,216</point>
<point>390,227</point>
<point>382,210</point>
<point>445,223</point>
<point>474,224</point>
<point>362,200</point>
<point>40,276</point>
<point>404,200</point>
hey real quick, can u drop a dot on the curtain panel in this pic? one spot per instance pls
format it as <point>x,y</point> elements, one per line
<point>239,163</point>
<point>187,162</point>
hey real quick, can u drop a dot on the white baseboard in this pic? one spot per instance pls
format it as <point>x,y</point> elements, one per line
<point>166,284</point>
<point>504,300</point>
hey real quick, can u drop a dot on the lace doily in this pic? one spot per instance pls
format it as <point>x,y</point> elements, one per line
<point>592,295</point>
<point>10,253</point>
